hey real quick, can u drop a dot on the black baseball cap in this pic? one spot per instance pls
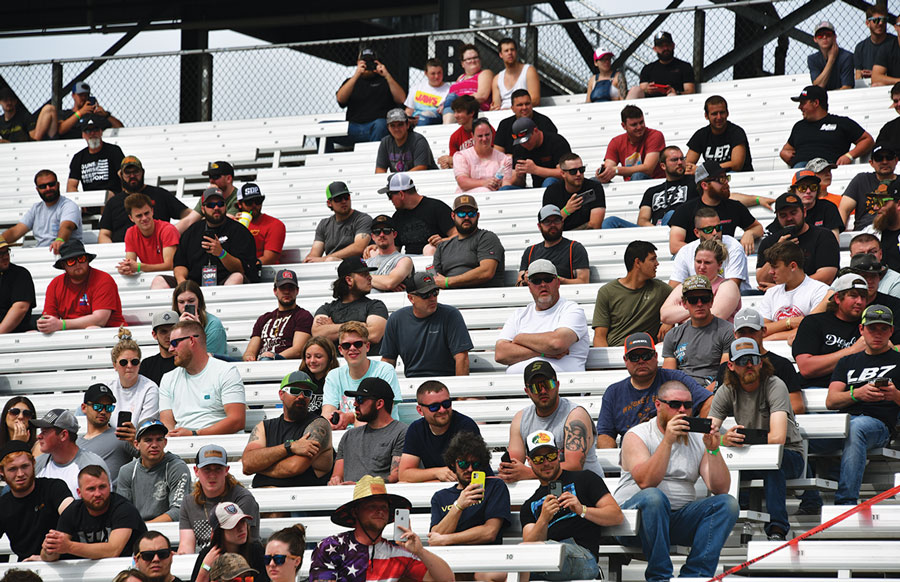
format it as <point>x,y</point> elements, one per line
<point>811,92</point>
<point>218,169</point>
<point>788,200</point>
<point>97,391</point>
<point>539,368</point>
<point>352,265</point>
<point>373,388</point>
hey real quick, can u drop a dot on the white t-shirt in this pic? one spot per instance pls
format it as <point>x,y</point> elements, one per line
<point>424,99</point>
<point>564,314</point>
<point>45,466</point>
<point>44,222</point>
<point>199,401</point>
<point>339,381</point>
<point>780,304</point>
<point>142,400</point>
<point>735,266</point>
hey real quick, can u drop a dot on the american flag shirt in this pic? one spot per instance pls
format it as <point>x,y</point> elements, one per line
<point>344,559</point>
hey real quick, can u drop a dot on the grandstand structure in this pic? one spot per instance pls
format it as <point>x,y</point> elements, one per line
<point>274,153</point>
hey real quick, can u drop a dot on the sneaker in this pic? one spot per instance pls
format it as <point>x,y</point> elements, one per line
<point>776,536</point>
<point>816,511</point>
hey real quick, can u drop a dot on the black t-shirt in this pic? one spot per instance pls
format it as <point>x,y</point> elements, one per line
<point>557,195</point>
<point>26,520</point>
<point>732,214</point>
<point>890,134</point>
<point>165,207</point>
<point>820,249</point>
<point>85,528</point>
<point>858,369</point>
<point>278,430</point>
<point>784,370</point>
<point>675,73</point>
<point>824,214</point>
<point>17,128</point>
<point>98,171</point>
<point>829,138</point>
<point>719,147</point>
<point>888,56</point>
<point>504,137</point>
<point>155,367</point>
<point>236,240</point>
<point>890,248</point>
<point>16,284</point>
<point>546,156</point>
<point>589,488</point>
<point>371,99</point>
<point>567,256</point>
<point>429,447</point>
<point>823,333</point>
<point>669,195</point>
<point>431,216</point>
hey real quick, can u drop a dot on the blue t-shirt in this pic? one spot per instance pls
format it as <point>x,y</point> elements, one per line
<point>427,345</point>
<point>495,504</point>
<point>430,447</point>
<point>842,74</point>
<point>624,406</point>
<point>339,381</point>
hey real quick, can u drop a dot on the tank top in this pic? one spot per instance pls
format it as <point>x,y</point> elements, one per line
<point>715,288</point>
<point>469,86</point>
<point>505,94</point>
<point>556,424</point>
<point>603,90</point>
<point>279,430</point>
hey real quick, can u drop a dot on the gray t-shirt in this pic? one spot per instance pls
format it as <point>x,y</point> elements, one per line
<point>44,222</point>
<point>456,256</point>
<point>45,467</point>
<point>864,55</point>
<point>115,452</point>
<point>196,517</point>
<point>567,256</point>
<point>160,489</point>
<point>384,263</point>
<point>866,190</point>
<point>339,234</point>
<point>752,409</point>
<point>370,451</point>
<point>414,152</point>
<point>426,345</point>
<point>358,310</point>
<point>556,424</point>
<point>698,350</point>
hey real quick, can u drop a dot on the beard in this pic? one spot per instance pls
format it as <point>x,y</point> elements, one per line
<point>467,230</point>
<point>50,196</point>
<point>94,143</point>
<point>886,220</point>
<point>134,185</point>
<point>552,234</point>
<point>287,303</point>
<point>368,417</point>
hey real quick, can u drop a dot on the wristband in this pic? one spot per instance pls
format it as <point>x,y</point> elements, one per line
<point>852,397</point>
<point>542,355</point>
<point>565,212</point>
<point>788,321</point>
<point>757,201</point>
<point>446,282</point>
<point>222,256</point>
<point>78,116</point>
<point>583,511</point>
<point>139,267</point>
<point>456,505</point>
<point>206,566</point>
<point>64,323</point>
<point>850,156</point>
<point>60,239</point>
<point>194,433</point>
<point>713,452</point>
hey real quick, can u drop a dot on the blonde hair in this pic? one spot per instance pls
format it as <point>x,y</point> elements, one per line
<point>125,343</point>
<point>356,327</point>
<point>716,248</point>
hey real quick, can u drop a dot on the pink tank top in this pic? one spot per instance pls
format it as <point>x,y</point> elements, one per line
<point>464,86</point>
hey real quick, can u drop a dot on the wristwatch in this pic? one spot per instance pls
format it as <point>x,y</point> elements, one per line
<point>287,446</point>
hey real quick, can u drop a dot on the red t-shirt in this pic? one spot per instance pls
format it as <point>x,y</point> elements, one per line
<point>149,248</point>
<point>68,301</point>
<point>269,233</point>
<point>461,140</point>
<point>621,151</point>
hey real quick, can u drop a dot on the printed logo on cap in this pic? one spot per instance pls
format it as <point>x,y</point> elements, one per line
<point>214,166</point>
<point>212,453</point>
<point>541,438</point>
<point>231,508</point>
<point>166,316</point>
<point>428,279</point>
<point>743,346</point>
<point>535,366</point>
<point>251,190</point>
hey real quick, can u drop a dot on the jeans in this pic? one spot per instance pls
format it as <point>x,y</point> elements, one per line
<point>577,563</point>
<point>664,221</point>
<point>616,222</point>
<point>265,359</point>
<point>550,181</point>
<point>703,524</point>
<point>640,176</point>
<point>448,102</point>
<point>799,165</point>
<point>866,433</point>
<point>423,121</point>
<point>509,187</point>
<point>776,490</point>
<point>371,131</point>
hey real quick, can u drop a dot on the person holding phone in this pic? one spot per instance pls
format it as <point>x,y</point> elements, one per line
<point>113,445</point>
<point>368,95</point>
<point>136,394</point>
<point>758,399</point>
<point>581,200</point>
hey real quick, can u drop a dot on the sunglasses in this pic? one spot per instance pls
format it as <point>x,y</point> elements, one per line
<point>541,280</point>
<point>252,202</point>
<point>877,19</point>
<point>16,411</point>
<point>214,204</point>
<point>825,34</point>
<point>695,299</point>
<point>175,341</point>
<point>642,356</point>
<point>677,404</point>
<point>133,361</point>
<point>47,185</point>
<point>74,260</point>
<point>429,295</point>
<point>279,559</point>
<point>347,345</point>
<point>548,385</point>
<point>807,187</point>
<point>340,198</point>
<point>539,459</point>
<point>711,229</point>
<point>438,405</point>
<point>377,231</point>
<point>723,179</point>
<point>103,407</point>
<point>476,465</point>
<point>883,158</point>
<point>298,391</point>
<point>748,360</point>
<point>466,213</point>
<point>575,171</point>
<point>148,555</point>
<point>358,400</point>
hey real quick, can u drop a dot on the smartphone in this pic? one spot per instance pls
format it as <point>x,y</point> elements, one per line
<point>91,100</point>
<point>883,381</point>
<point>556,488</point>
<point>190,308</point>
<point>587,196</point>
<point>506,458</point>
<point>370,62</point>
<point>124,416</point>
<point>754,436</point>
<point>401,518</point>
<point>478,478</point>
<point>210,233</point>
<point>698,424</point>
<point>335,417</point>
<point>789,230</point>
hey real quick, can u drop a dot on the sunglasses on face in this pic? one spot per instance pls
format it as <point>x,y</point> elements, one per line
<point>16,411</point>
<point>711,229</point>
<point>695,299</point>
<point>176,341</point>
<point>539,459</point>
<point>476,465</point>
<point>358,400</point>
<point>103,407</point>
<point>253,202</point>
<point>877,19</point>
<point>148,555</point>
<point>575,171</point>
<point>438,405</point>
<point>466,213</point>
<point>723,179</point>
<point>47,185</point>
<point>642,356</point>
<point>429,295</point>
<point>538,280</point>
<point>677,404</point>
<point>340,198</point>
<point>883,157</point>
<point>279,559</point>
<point>749,359</point>
<point>298,391</point>
<point>133,361</point>
<point>347,345</point>
<point>548,385</point>
<point>377,231</point>
<point>71,262</point>
<point>212,204</point>
<point>807,187</point>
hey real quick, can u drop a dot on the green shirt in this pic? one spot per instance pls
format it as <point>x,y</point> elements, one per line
<point>624,311</point>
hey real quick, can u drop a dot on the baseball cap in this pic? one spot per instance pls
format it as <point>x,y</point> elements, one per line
<point>547,211</point>
<point>848,282</point>
<point>399,182</point>
<point>367,52</point>
<point>639,341</point>
<point>80,88</point>
<point>397,114</point>
<point>228,514</point>
<point>354,265</point>
<point>542,266</point>
<point>286,276</point>
<point>336,189</point>
<point>788,200</point>
<point>696,283</point>
<point>539,368</point>
<point>249,191</point>
<point>229,566</point>
<point>131,161</point>
<point>602,52</point>
<point>708,170</point>
<point>812,92</point>
<point>819,164</point>
<point>878,314</point>
<point>464,201</point>
<point>382,221</point>
<point>522,129</point>
<point>211,455</point>
<point>154,425</point>
<point>663,37</point>
<point>210,192</point>
<point>805,175</point>
<point>744,346</point>
<point>373,388</point>
<point>866,263</point>
<point>539,439</point>
<point>92,121</point>
<point>748,317</point>
<point>420,283</point>
<point>164,318</point>
<point>297,378</point>
<point>885,150</point>
<point>823,24</point>
<point>98,391</point>
<point>57,418</point>
<point>6,245</point>
<point>218,169</point>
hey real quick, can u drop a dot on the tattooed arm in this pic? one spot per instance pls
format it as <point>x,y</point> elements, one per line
<point>579,435</point>
<point>314,448</point>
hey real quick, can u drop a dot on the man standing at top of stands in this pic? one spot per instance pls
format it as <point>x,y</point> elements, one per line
<point>667,75</point>
<point>150,243</point>
<point>708,226</point>
<point>661,462</point>
<point>16,294</point>
<point>634,155</point>
<point>368,95</point>
<point>831,67</point>
<point>221,176</point>
<point>157,365</point>
<point>62,458</point>
<point>282,333</point>
<point>866,49</point>
<point>889,134</point>
<point>431,338</point>
<point>52,221</point>
<point>868,244</point>
<point>631,304</point>
<point>514,76</point>
<point>403,150</point>
<point>473,257</point>
<point>888,222</point>
<point>567,422</point>
<point>344,234</point>
<point>837,139</point>
<point>886,70</point>
<point>569,257</point>
<point>352,303</point>
<point>866,192</point>
<point>522,106</point>
<point>114,222</point>
<point>392,266</point>
<point>268,232</point>
<point>202,393</point>
<point>581,201</point>
<point>630,402</point>
<point>113,445</point>
<point>720,141</point>
<point>421,222</point>
<point>216,250</point>
<point>660,201</point>
<point>551,327</point>
<point>81,298</point>
<point>427,438</point>
<point>95,167</point>
<point>536,153</point>
<point>295,448</point>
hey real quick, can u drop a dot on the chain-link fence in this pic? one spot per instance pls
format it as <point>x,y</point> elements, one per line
<point>299,79</point>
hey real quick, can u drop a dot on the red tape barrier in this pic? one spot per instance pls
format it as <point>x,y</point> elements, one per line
<point>822,527</point>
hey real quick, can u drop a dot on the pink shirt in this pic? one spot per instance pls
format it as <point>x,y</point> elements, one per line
<point>469,86</point>
<point>469,163</point>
